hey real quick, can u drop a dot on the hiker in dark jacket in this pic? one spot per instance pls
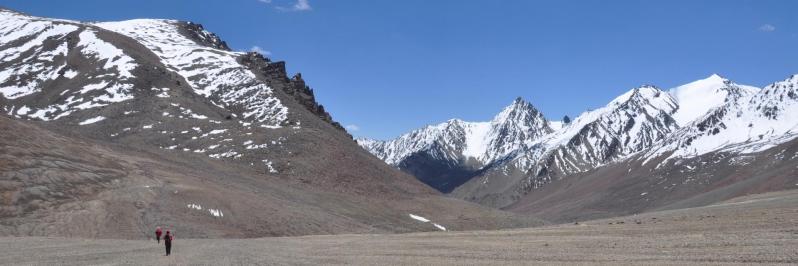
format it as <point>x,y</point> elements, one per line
<point>167,240</point>
<point>158,234</point>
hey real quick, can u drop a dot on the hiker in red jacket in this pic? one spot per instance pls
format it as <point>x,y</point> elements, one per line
<point>158,234</point>
<point>167,240</point>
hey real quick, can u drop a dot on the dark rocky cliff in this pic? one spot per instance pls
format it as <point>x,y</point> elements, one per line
<point>277,78</point>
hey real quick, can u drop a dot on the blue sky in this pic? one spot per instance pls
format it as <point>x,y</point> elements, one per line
<point>387,67</point>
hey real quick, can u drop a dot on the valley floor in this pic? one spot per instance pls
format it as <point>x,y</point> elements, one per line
<point>753,229</point>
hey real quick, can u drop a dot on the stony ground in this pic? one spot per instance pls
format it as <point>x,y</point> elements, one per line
<point>761,229</point>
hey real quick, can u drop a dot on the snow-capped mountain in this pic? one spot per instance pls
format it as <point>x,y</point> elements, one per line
<point>456,139</point>
<point>170,80</point>
<point>63,51</point>
<point>750,123</point>
<point>743,146</point>
<point>628,124</point>
<point>709,115</point>
<point>461,147</point>
<point>516,125</point>
<point>699,97</point>
<point>210,70</point>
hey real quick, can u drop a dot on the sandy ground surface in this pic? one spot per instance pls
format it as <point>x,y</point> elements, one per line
<point>748,230</point>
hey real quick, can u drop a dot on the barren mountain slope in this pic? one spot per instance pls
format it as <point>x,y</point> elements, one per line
<point>54,185</point>
<point>628,187</point>
<point>228,143</point>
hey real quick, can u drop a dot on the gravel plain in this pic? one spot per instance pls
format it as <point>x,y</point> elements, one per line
<point>757,229</point>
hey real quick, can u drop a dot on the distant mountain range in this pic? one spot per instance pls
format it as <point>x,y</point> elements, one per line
<point>519,152</point>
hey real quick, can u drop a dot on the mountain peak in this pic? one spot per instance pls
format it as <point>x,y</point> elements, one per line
<point>645,91</point>
<point>519,103</point>
<point>712,82</point>
<point>698,97</point>
<point>518,109</point>
<point>715,76</point>
<point>647,87</point>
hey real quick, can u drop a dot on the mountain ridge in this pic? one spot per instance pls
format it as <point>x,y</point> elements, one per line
<point>644,124</point>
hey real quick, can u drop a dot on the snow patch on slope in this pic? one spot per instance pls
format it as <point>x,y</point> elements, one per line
<point>209,71</point>
<point>26,76</point>
<point>425,220</point>
<point>746,125</point>
<point>15,27</point>
<point>114,57</point>
<point>91,120</point>
<point>476,139</point>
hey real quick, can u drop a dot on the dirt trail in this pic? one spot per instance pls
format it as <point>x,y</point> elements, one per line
<point>755,229</point>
